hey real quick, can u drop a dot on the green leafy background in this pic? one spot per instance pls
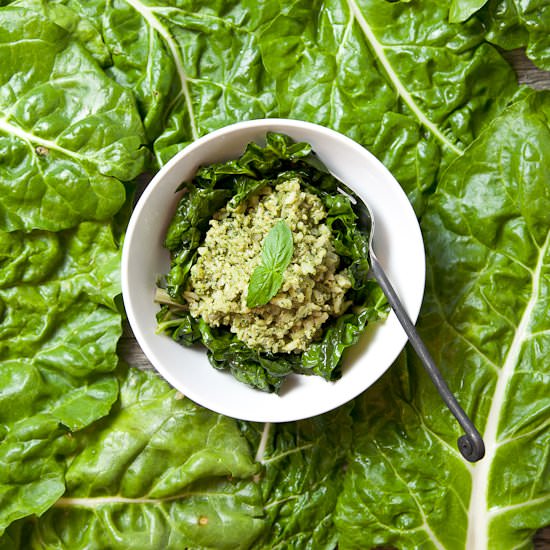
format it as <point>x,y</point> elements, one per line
<point>94,454</point>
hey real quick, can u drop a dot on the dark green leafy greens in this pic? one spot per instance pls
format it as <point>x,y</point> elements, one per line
<point>461,10</point>
<point>58,335</point>
<point>300,480</point>
<point>281,159</point>
<point>163,472</point>
<point>511,24</point>
<point>267,278</point>
<point>69,138</point>
<point>159,472</point>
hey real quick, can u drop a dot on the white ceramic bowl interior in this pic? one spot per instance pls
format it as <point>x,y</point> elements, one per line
<point>398,244</point>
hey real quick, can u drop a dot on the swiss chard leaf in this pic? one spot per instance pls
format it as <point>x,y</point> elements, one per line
<point>300,481</point>
<point>69,135</point>
<point>486,322</point>
<point>158,472</point>
<point>461,10</point>
<point>511,24</point>
<point>196,68</point>
<point>59,329</point>
<point>335,42</point>
<point>433,95</point>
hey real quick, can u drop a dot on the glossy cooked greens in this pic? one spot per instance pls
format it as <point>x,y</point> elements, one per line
<point>214,186</point>
<point>417,91</point>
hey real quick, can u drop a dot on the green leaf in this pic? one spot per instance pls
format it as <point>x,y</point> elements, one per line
<point>267,278</point>
<point>323,358</point>
<point>485,320</point>
<point>69,135</point>
<point>461,10</point>
<point>185,232</point>
<point>264,284</point>
<point>426,90</point>
<point>278,247</point>
<point>59,328</point>
<point>511,24</point>
<point>196,68</point>
<point>301,480</point>
<point>28,258</point>
<point>159,472</point>
<point>82,29</point>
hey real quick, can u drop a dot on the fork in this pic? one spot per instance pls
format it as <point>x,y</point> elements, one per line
<point>470,444</point>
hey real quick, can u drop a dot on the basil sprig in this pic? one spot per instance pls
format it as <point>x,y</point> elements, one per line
<point>267,278</point>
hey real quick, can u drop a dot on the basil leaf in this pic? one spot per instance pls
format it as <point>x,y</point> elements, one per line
<point>267,278</point>
<point>278,247</point>
<point>264,284</point>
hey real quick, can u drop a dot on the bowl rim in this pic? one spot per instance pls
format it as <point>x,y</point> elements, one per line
<point>152,187</point>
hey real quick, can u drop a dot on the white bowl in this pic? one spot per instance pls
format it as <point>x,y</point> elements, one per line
<point>398,244</point>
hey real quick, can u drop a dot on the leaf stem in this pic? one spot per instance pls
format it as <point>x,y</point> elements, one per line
<point>263,443</point>
<point>401,90</point>
<point>151,19</point>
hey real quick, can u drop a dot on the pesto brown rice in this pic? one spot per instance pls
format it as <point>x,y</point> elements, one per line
<point>312,291</point>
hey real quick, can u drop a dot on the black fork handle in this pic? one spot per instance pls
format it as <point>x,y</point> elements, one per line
<point>471,443</point>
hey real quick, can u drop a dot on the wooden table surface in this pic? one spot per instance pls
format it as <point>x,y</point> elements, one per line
<point>527,74</point>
